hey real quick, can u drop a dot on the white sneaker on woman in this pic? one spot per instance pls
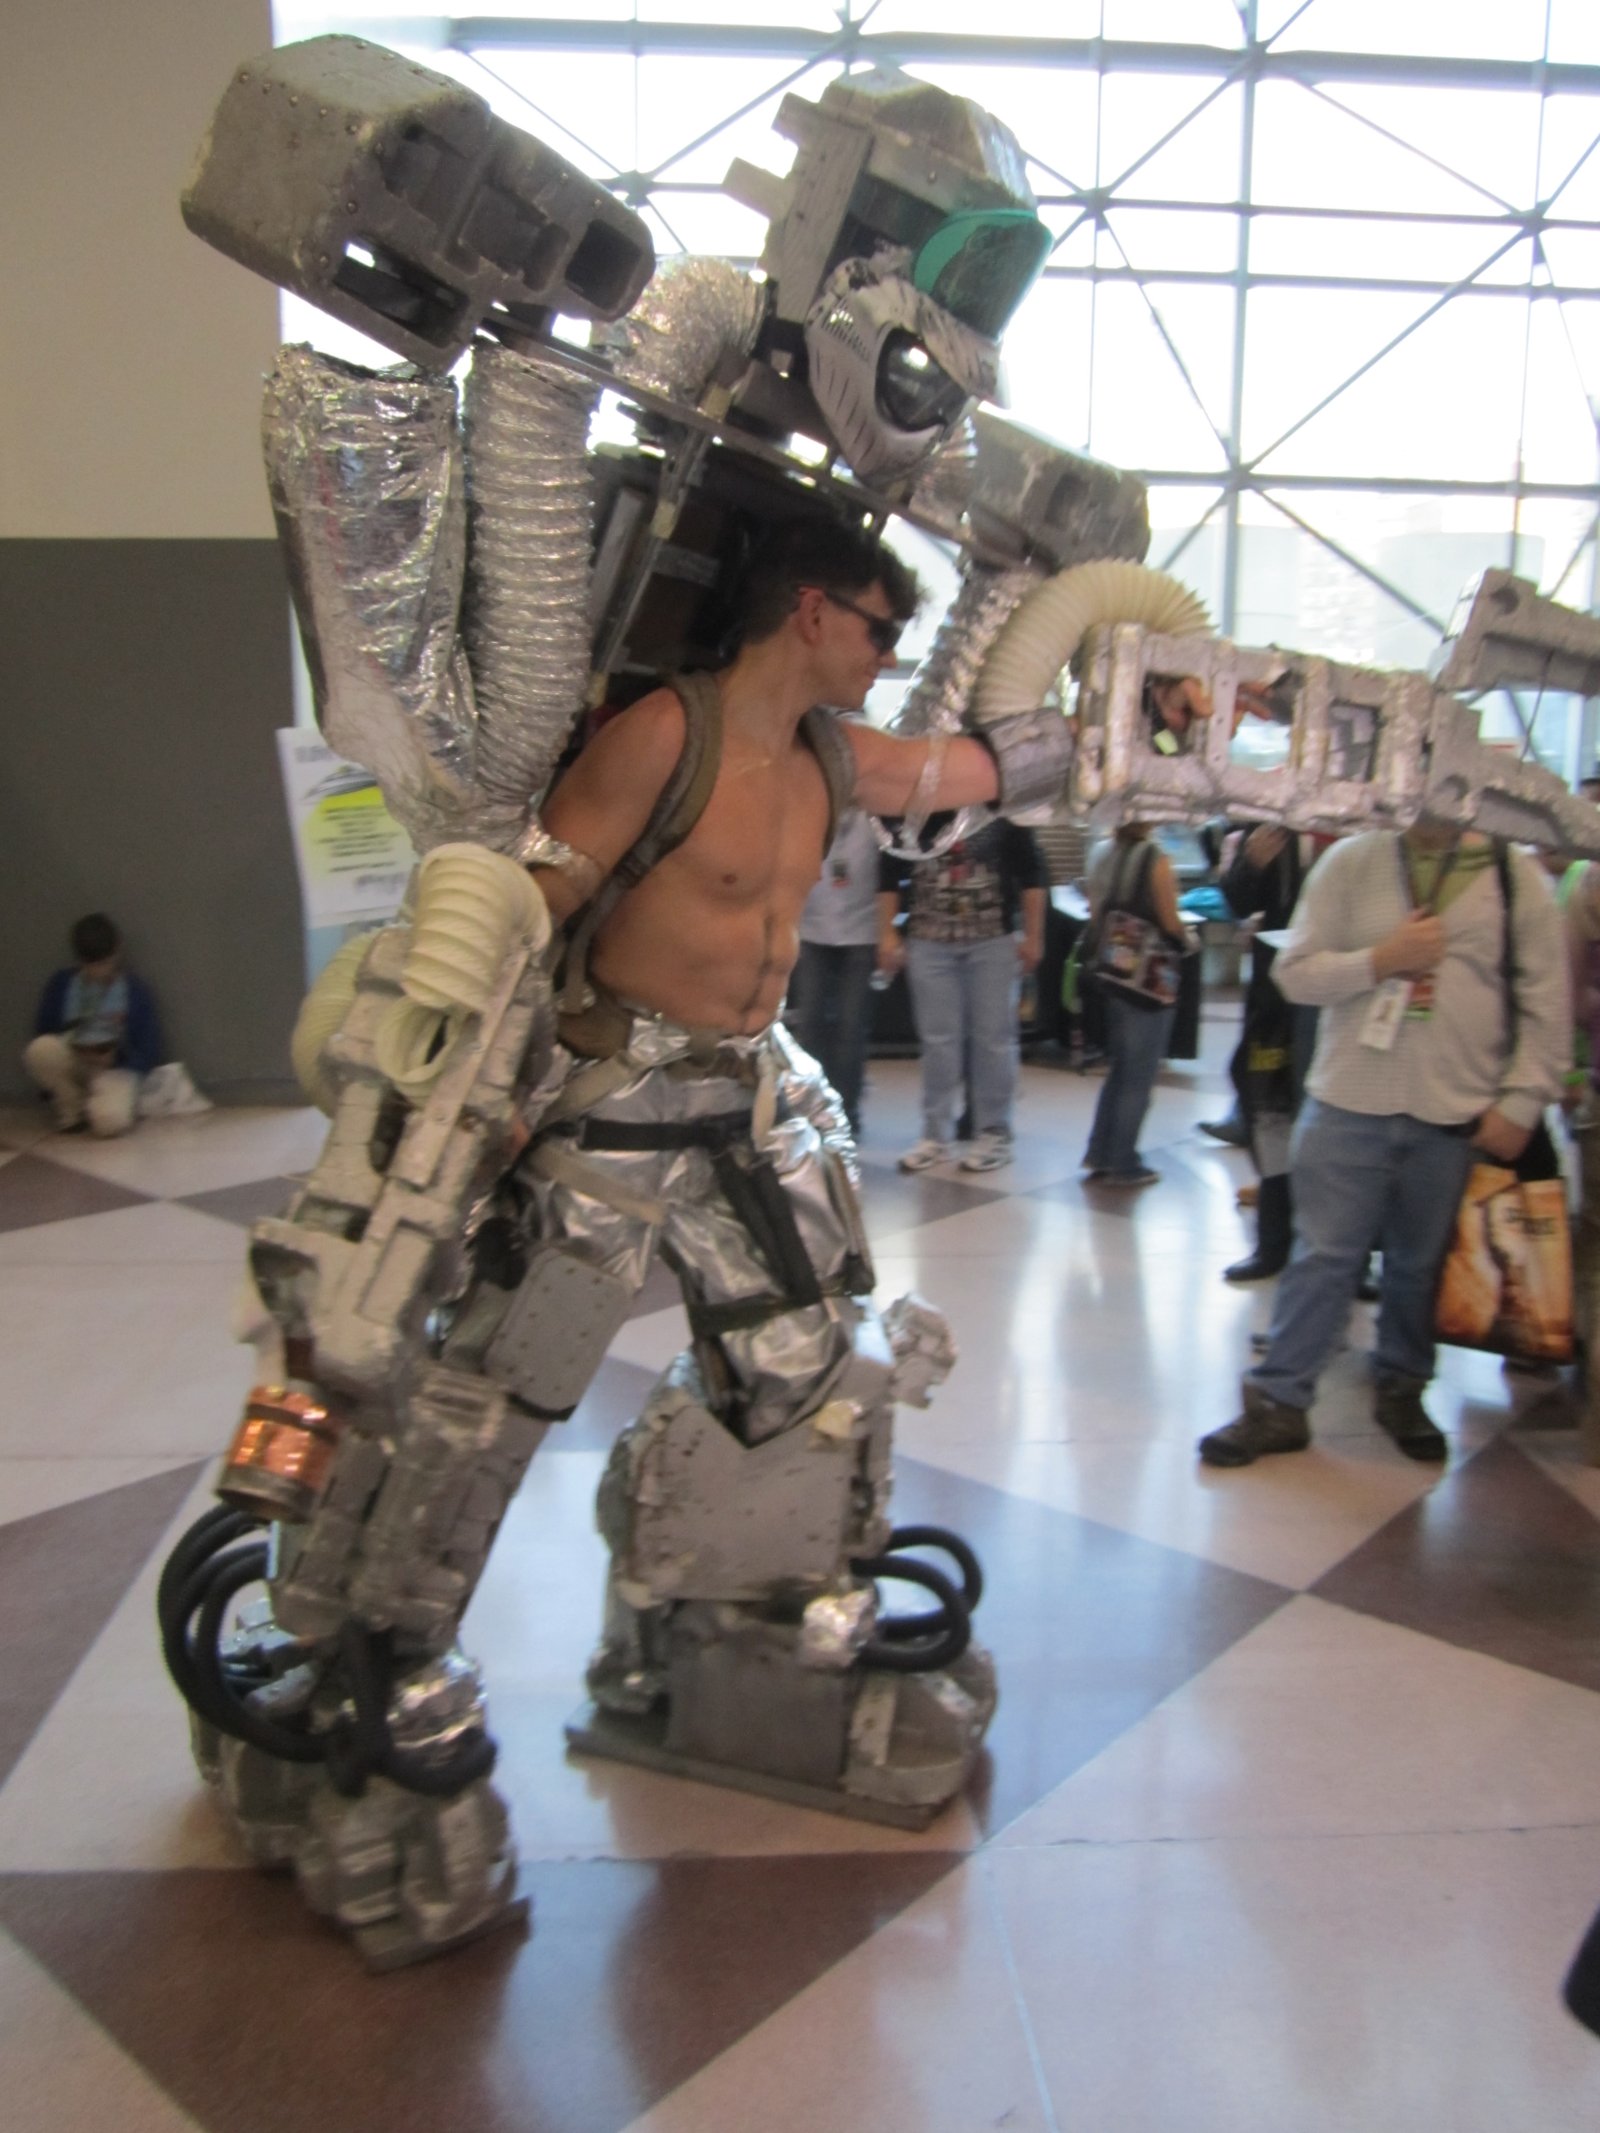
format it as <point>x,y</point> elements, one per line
<point>924,1155</point>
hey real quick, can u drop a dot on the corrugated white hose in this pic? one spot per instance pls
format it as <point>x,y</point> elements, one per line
<point>321,1012</point>
<point>1046,632</point>
<point>473,907</point>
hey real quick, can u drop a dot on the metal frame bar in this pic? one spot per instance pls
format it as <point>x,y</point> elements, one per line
<point>936,48</point>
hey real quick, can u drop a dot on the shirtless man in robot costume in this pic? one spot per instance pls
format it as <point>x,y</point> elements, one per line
<point>499,1175</point>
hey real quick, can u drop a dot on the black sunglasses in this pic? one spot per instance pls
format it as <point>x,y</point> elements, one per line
<point>882,629</point>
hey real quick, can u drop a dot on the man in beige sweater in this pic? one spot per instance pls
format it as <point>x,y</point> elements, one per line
<point>1425,1056</point>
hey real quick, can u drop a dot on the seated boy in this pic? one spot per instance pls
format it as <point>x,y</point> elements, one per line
<point>96,1035</point>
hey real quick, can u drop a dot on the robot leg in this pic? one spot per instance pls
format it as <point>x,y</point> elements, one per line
<point>746,1512</point>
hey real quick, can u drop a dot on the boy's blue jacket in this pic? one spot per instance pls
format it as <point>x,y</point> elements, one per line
<point>141,1037</point>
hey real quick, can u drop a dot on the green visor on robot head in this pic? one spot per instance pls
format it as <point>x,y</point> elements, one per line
<point>978,265</point>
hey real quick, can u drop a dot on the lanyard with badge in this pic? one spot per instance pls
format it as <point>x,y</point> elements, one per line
<point>1399,1000</point>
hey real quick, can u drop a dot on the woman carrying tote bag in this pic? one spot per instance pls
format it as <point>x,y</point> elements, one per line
<point>1137,942</point>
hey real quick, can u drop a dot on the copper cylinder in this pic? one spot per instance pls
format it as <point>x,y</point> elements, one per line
<point>278,1463</point>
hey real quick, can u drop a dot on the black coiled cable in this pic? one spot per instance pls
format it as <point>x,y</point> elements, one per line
<point>222,1552</point>
<point>918,1643</point>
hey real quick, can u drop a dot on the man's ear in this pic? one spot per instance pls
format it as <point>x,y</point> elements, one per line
<point>806,614</point>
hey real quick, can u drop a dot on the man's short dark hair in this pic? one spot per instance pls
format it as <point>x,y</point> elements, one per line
<point>94,938</point>
<point>838,558</point>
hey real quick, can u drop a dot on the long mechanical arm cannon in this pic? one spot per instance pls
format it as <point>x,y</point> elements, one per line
<point>1367,748</point>
<point>372,1246</point>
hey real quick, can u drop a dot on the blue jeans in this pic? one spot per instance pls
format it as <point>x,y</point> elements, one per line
<point>1136,1044</point>
<point>830,1010</point>
<point>1359,1182</point>
<point>964,996</point>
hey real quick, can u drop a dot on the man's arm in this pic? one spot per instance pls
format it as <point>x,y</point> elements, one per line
<point>889,770</point>
<point>891,947</point>
<point>601,805</point>
<point>1030,949</point>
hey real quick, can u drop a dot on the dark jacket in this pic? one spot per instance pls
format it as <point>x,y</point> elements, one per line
<point>140,1049</point>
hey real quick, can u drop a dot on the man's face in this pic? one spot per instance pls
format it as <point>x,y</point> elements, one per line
<point>101,972</point>
<point>853,650</point>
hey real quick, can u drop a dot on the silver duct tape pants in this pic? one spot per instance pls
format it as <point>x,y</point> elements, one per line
<point>616,1208</point>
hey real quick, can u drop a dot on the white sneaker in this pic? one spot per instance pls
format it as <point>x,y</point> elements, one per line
<point>990,1151</point>
<point>924,1155</point>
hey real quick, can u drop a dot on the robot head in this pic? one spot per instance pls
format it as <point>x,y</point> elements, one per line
<point>899,345</point>
<point>900,245</point>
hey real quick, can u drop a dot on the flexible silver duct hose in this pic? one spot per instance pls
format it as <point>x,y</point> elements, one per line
<point>698,317</point>
<point>941,689</point>
<point>365,475</point>
<point>526,617</point>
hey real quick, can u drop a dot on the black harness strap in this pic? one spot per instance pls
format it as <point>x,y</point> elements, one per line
<point>645,1136</point>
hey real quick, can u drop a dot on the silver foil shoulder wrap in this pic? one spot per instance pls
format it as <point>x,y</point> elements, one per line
<point>366,483</point>
<point>697,321</point>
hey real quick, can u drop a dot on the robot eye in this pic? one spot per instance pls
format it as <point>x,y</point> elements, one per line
<point>913,392</point>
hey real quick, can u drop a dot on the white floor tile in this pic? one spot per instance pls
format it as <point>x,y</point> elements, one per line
<point>31,1485</point>
<point>155,1234</point>
<point>176,1156</point>
<point>124,1359</point>
<point>1326,1722</point>
<point>1287,1520</point>
<point>1343,1985</point>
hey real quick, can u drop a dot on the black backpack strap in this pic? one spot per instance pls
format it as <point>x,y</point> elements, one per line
<point>836,759</point>
<point>679,806</point>
<point>1508,945</point>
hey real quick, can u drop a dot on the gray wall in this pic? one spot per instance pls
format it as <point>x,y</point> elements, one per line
<point>142,608</point>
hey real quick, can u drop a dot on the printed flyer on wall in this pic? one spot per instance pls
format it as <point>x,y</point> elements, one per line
<point>354,858</point>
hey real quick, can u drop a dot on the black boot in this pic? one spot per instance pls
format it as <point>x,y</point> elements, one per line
<point>1274,1232</point>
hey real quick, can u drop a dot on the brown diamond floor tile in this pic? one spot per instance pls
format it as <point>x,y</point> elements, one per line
<point>243,1204</point>
<point>34,1190</point>
<point>1498,1559</point>
<point>255,2018</point>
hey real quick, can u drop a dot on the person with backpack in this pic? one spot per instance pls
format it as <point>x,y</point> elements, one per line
<point>1136,939</point>
<point>1438,962</point>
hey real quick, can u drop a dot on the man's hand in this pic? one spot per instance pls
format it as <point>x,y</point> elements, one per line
<point>1030,953</point>
<point>1497,1136</point>
<point>1179,699</point>
<point>1415,947</point>
<point>891,954</point>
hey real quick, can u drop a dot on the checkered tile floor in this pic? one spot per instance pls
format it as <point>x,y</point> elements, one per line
<point>1290,1820</point>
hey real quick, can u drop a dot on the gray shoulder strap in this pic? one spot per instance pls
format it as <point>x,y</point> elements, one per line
<point>836,759</point>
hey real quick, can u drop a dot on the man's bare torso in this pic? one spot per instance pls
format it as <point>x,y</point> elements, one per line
<point>710,935</point>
